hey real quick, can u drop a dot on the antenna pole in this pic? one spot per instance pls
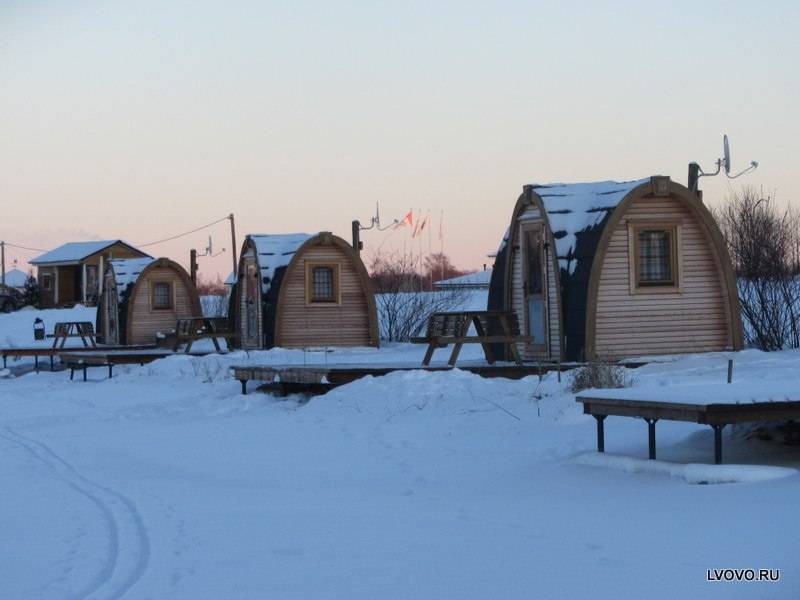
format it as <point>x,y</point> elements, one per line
<point>233,244</point>
<point>193,265</point>
<point>356,230</point>
<point>694,176</point>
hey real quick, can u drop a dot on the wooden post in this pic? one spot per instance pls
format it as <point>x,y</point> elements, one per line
<point>83,283</point>
<point>2,263</point>
<point>694,176</point>
<point>193,265</point>
<point>233,244</point>
<point>356,229</point>
<point>730,370</point>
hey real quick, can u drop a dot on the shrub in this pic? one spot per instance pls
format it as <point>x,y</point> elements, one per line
<point>600,375</point>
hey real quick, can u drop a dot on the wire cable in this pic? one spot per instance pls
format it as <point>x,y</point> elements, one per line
<point>180,235</point>
<point>19,247</point>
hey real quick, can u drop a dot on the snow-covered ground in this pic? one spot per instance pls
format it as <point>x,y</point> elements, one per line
<point>166,482</point>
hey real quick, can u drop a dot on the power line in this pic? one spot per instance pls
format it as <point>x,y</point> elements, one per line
<point>180,235</point>
<point>18,247</point>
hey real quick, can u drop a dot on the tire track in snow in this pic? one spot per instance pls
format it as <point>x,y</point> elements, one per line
<point>128,542</point>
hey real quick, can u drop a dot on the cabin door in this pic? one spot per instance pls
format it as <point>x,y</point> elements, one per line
<point>251,334</point>
<point>535,286</point>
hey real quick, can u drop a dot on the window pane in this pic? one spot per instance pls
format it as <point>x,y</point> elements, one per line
<point>536,320</point>
<point>655,256</point>
<point>162,298</point>
<point>533,255</point>
<point>322,284</point>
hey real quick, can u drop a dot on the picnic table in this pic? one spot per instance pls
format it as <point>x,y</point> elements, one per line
<point>190,330</point>
<point>73,329</point>
<point>491,327</point>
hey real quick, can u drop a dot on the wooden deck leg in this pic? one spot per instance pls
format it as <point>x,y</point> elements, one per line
<point>110,370</point>
<point>718,443</point>
<point>71,373</point>
<point>454,355</point>
<point>52,363</point>
<point>429,354</point>
<point>601,437</point>
<point>651,437</point>
<point>244,386</point>
<point>84,372</point>
<point>36,363</point>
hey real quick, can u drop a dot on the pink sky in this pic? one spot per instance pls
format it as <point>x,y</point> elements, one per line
<point>138,122</point>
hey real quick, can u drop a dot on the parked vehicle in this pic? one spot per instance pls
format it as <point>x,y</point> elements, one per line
<point>10,299</point>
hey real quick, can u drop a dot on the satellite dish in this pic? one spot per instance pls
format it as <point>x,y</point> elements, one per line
<point>726,161</point>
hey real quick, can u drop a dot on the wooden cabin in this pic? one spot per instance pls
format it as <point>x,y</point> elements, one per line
<point>301,290</point>
<point>611,270</point>
<point>71,273</point>
<point>142,299</point>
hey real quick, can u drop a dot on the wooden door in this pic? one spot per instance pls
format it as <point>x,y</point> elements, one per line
<point>534,286</point>
<point>251,305</point>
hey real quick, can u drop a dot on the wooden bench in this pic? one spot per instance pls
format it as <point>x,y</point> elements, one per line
<point>190,330</point>
<point>491,327</point>
<point>73,329</point>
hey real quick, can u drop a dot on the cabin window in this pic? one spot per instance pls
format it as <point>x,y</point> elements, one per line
<point>655,256</point>
<point>47,282</point>
<point>534,284</point>
<point>322,283</point>
<point>162,295</point>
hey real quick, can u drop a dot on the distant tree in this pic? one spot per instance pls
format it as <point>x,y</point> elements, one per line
<point>403,297</point>
<point>211,287</point>
<point>30,292</point>
<point>764,245</point>
<point>437,266</point>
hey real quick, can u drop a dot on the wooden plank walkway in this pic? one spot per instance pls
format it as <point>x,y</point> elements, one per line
<point>117,356</point>
<point>318,379</point>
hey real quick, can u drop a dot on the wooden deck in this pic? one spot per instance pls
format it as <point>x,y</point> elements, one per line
<point>117,356</point>
<point>49,351</point>
<point>717,415</point>
<point>318,379</point>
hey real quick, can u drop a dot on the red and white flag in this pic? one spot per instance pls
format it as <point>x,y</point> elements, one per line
<point>407,220</point>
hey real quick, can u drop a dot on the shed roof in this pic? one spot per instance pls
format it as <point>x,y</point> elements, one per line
<point>478,278</point>
<point>16,278</point>
<point>274,252</point>
<point>76,251</point>
<point>127,271</point>
<point>573,208</point>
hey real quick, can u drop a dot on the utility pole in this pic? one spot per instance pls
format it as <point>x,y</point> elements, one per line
<point>2,263</point>
<point>233,244</point>
<point>193,265</point>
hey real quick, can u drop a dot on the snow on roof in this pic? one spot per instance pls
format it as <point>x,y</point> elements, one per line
<point>127,271</point>
<point>275,251</point>
<point>231,278</point>
<point>74,251</point>
<point>16,278</point>
<point>478,278</point>
<point>575,207</point>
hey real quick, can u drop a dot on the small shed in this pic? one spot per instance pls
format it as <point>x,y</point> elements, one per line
<point>144,297</point>
<point>479,280</point>
<point>301,290</point>
<point>72,272</point>
<point>609,270</point>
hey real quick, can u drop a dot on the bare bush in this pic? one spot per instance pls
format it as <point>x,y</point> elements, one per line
<point>214,306</point>
<point>764,244</point>
<point>600,375</point>
<point>402,302</point>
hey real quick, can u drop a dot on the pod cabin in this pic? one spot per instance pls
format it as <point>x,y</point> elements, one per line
<point>612,270</point>
<point>143,298</point>
<point>301,290</point>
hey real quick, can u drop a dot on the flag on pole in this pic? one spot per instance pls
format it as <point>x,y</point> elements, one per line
<point>407,220</point>
<point>422,225</point>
